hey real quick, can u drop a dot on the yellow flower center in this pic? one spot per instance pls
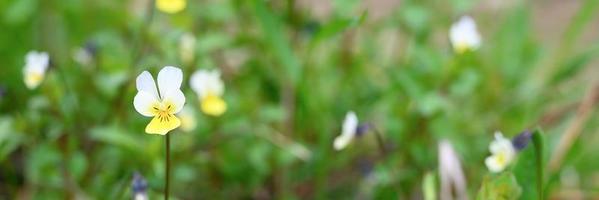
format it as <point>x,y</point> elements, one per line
<point>164,119</point>
<point>461,47</point>
<point>213,105</point>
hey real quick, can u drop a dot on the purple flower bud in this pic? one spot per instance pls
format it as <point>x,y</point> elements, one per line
<point>521,140</point>
<point>139,187</point>
<point>362,129</point>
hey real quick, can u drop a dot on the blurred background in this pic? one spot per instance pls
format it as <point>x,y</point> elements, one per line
<point>292,69</point>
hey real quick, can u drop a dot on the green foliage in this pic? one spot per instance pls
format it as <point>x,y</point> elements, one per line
<point>291,74</point>
<point>501,186</point>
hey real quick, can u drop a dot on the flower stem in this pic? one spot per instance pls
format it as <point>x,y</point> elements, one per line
<point>168,165</point>
<point>380,141</point>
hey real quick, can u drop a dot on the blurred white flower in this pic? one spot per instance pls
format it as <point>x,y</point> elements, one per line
<point>161,106</point>
<point>502,153</point>
<point>188,119</point>
<point>348,132</point>
<point>187,47</point>
<point>36,64</point>
<point>450,172</point>
<point>464,35</point>
<point>209,88</point>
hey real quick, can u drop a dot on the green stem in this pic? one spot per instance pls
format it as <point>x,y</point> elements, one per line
<point>168,165</point>
<point>380,141</point>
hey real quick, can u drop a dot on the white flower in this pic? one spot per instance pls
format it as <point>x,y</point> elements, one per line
<point>464,36</point>
<point>209,88</point>
<point>188,119</point>
<point>450,172</point>
<point>34,71</point>
<point>348,132</point>
<point>502,153</point>
<point>164,105</point>
<point>187,47</point>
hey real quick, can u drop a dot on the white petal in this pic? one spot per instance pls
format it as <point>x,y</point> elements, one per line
<point>145,82</point>
<point>205,82</point>
<point>169,80</point>
<point>350,124</point>
<point>341,141</point>
<point>464,32</point>
<point>177,98</point>
<point>143,103</point>
<point>36,62</point>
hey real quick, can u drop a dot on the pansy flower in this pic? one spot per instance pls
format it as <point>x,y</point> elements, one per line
<point>209,88</point>
<point>36,64</point>
<point>502,153</point>
<point>464,35</point>
<point>162,102</point>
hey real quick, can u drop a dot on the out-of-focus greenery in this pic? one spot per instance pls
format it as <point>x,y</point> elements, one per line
<point>290,78</point>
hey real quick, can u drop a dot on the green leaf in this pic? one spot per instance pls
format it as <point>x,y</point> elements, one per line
<point>499,187</point>
<point>531,158</point>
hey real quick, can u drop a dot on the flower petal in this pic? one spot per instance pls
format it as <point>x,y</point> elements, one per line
<point>171,6</point>
<point>176,98</point>
<point>169,80</point>
<point>350,124</point>
<point>145,82</point>
<point>163,126</point>
<point>341,142</point>
<point>213,105</point>
<point>144,103</point>
<point>493,165</point>
<point>205,83</point>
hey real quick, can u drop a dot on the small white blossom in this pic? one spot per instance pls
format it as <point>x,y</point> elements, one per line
<point>464,35</point>
<point>502,153</point>
<point>209,88</point>
<point>348,132</point>
<point>36,64</point>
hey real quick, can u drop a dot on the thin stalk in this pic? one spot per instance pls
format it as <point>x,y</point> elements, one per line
<point>168,165</point>
<point>380,141</point>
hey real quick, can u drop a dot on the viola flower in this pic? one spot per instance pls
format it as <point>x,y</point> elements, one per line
<point>209,88</point>
<point>188,119</point>
<point>464,36</point>
<point>502,153</point>
<point>348,132</point>
<point>171,6</point>
<point>34,71</point>
<point>187,47</point>
<point>161,106</point>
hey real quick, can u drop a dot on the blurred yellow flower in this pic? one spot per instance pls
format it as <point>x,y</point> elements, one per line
<point>348,132</point>
<point>171,6</point>
<point>464,36</point>
<point>161,106</point>
<point>34,71</point>
<point>209,88</point>
<point>502,153</point>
